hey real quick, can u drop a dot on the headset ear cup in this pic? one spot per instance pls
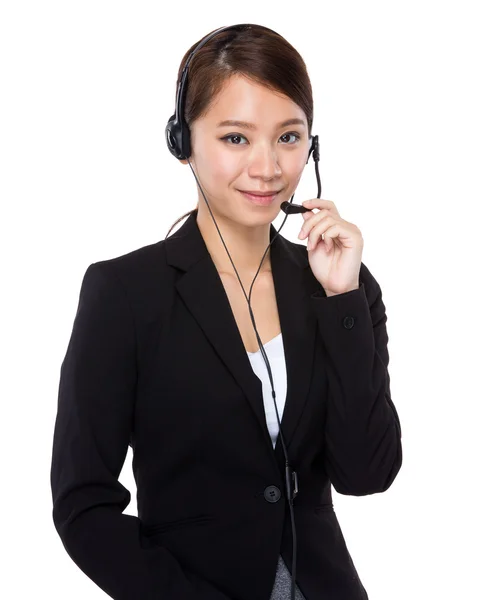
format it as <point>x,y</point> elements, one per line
<point>310,149</point>
<point>173,137</point>
<point>170,136</point>
<point>185,140</point>
<point>314,147</point>
<point>178,138</point>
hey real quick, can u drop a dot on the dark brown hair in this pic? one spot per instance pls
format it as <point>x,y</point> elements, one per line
<point>258,53</point>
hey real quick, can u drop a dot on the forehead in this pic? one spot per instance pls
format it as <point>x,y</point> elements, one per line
<point>246,100</point>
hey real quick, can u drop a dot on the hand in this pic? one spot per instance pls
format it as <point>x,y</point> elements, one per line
<point>335,259</point>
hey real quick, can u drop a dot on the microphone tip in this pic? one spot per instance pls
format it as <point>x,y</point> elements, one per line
<point>292,209</point>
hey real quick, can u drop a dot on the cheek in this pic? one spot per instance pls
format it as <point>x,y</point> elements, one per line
<point>224,167</point>
<point>219,164</point>
<point>292,163</point>
<point>294,170</point>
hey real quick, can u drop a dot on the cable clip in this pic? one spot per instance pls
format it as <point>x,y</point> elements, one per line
<point>295,480</point>
<point>291,478</point>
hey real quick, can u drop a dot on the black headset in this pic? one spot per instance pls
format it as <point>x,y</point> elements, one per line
<point>178,141</point>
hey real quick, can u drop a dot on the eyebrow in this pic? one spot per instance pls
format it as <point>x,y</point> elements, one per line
<point>246,125</point>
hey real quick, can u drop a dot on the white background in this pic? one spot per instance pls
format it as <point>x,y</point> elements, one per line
<point>408,101</point>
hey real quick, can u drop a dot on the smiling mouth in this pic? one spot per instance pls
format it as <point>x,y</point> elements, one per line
<point>263,200</point>
<point>272,193</point>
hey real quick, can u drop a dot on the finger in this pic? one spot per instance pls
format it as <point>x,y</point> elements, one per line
<point>312,221</point>
<point>321,228</point>
<point>320,203</point>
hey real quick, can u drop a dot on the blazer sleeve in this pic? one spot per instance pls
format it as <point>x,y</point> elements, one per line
<point>363,451</point>
<point>93,424</point>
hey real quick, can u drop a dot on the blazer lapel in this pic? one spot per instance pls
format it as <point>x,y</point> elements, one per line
<point>205,297</point>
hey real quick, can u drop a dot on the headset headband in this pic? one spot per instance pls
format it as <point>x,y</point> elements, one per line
<point>177,132</point>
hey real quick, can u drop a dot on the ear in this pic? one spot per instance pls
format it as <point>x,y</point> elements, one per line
<point>183,161</point>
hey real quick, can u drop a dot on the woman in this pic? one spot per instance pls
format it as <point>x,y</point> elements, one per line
<point>163,357</point>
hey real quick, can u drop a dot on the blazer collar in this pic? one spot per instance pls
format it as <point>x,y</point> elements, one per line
<point>203,293</point>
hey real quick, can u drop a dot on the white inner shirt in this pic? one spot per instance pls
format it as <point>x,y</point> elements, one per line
<point>274,350</point>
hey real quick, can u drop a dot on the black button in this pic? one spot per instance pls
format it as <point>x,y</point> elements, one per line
<point>272,493</point>
<point>348,322</point>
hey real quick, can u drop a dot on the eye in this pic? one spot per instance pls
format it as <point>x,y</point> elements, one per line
<point>238,135</point>
<point>233,135</point>
<point>297,135</point>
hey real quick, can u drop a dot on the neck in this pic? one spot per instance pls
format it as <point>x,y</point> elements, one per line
<point>246,245</point>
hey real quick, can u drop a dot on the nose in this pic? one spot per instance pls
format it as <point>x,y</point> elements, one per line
<point>264,162</point>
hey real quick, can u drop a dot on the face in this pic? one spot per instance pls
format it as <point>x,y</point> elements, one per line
<point>267,157</point>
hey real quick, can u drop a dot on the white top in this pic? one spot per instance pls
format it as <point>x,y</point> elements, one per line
<point>274,350</point>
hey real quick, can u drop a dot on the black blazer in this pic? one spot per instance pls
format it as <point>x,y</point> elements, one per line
<point>155,361</point>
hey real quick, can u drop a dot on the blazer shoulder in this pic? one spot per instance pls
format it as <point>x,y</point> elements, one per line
<point>140,274</point>
<point>136,266</point>
<point>137,258</point>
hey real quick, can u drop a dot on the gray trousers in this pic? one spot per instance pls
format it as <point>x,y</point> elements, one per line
<point>282,584</point>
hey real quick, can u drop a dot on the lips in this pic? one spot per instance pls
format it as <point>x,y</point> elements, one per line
<point>261,200</point>
<point>270,193</point>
